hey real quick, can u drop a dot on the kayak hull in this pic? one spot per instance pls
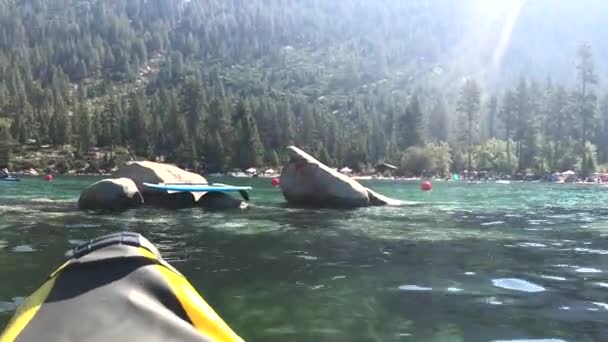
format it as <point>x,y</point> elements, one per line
<point>117,288</point>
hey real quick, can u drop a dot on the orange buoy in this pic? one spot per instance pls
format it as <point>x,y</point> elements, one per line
<point>426,186</point>
<point>275,182</point>
<point>49,177</point>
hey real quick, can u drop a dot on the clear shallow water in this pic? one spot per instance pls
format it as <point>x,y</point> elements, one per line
<point>466,262</point>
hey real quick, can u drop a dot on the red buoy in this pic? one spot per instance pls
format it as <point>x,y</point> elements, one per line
<point>275,182</point>
<point>48,177</point>
<point>426,186</point>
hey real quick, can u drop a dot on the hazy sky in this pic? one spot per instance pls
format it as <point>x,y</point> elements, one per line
<point>537,37</point>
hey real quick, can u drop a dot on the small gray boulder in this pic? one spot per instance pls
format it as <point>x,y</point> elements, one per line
<point>111,194</point>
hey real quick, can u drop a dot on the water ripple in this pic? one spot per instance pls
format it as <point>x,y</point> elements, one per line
<point>23,249</point>
<point>591,251</point>
<point>414,288</point>
<point>517,285</point>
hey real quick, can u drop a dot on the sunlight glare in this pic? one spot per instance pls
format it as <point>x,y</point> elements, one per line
<point>511,10</point>
<point>492,23</point>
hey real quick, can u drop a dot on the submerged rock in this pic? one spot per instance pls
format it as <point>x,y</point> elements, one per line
<point>377,199</point>
<point>111,194</point>
<point>307,182</point>
<point>220,201</point>
<point>150,172</point>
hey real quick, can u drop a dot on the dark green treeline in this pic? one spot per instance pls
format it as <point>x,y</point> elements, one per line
<point>221,84</point>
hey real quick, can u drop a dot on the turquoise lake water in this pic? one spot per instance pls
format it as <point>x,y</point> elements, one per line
<point>465,262</point>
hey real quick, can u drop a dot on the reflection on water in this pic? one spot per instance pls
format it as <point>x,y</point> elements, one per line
<point>465,262</point>
<point>517,285</point>
<point>414,288</point>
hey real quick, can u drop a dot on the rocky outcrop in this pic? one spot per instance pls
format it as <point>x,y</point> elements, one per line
<point>307,182</point>
<point>137,173</point>
<point>150,172</point>
<point>111,194</point>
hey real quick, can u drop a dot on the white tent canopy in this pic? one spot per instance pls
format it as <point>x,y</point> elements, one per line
<point>251,170</point>
<point>569,173</point>
<point>346,169</point>
<point>270,172</point>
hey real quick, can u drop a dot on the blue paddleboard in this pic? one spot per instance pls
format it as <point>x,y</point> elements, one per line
<point>10,179</point>
<point>196,187</point>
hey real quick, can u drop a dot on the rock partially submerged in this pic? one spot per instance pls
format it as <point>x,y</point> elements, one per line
<point>111,194</point>
<point>137,173</point>
<point>207,200</point>
<point>221,201</point>
<point>377,199</point>
<point>151,172</point>
<point>307,182</point>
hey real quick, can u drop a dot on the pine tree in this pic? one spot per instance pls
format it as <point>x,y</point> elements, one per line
<point>177,125</point>
<point>307,133</point>
<point>468,106</point>
<point>560,123</point>
<point>110,117</point>
<point>285,124</point>
<point>254,144</point>
<point>492,108</point>
<point>249,150</point>
<point>275,161</point>
<point>522,112</point>
<point>6,142</point>
<point>546,107</point>
<point>602,131</point>
<point>138,124</point>
<point>215,153</point>
<point>44,117</point>
<point>21,127</point>
<point>323,156</point>
<point>412,124</point>
<point>85,129</point>
<point>192,106</point>
<point>60,124</point>
<point>586,98</point>
<point>507,115</point>
<point>438,122</point>
<point>121,128</point>
<point>219,121</point>
<point>81,70</point>
<point>530,149</point>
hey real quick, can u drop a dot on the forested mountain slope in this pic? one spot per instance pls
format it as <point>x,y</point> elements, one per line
<point>220,84</point>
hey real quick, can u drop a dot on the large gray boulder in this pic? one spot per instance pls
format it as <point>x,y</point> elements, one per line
<point>111,194</point>
<point>151,172</point>
<point>307,182</point>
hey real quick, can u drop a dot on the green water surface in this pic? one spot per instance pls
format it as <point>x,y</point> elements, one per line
<point>465,262</point>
